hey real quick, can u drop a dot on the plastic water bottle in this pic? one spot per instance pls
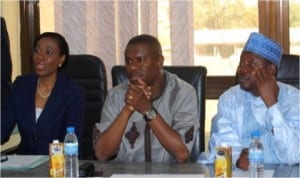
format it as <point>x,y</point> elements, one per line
<point>71,154</point>
<point>256,156</point>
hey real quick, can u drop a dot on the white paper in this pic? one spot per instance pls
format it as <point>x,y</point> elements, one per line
<point>240,173</point>
<point>157,175</point>
<point>23,161</point>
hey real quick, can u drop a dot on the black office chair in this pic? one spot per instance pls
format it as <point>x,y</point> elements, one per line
<point>288,71</point>
<point>196,76</point>
<point>89,72</point>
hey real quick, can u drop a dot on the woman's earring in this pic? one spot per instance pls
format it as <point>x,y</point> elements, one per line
<point>59,65</point>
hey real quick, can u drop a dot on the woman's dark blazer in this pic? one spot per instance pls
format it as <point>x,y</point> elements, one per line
<point>65,107</point>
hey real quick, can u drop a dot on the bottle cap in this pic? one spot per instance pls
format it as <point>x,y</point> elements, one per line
<point>70,130</point>
<point>221,153</point>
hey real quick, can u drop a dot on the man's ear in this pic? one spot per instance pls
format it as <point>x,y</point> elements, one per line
<point>62,59</point>
<point>161,60</point>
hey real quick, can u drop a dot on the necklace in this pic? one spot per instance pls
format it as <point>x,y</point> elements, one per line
<point>39,92</point>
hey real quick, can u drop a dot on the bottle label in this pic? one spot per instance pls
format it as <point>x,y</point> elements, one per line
<point>71,148</point>
<point>256,155</point>
<point>223,161</point>
<point>56,161</point>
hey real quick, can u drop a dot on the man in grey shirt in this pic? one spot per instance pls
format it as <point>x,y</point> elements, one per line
<point>154,103</point>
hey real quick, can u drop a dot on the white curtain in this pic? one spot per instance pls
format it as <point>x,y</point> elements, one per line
<point>103,28</point>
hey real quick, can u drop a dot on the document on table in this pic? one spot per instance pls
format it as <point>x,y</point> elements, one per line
<point>23,162</point>
<point>240,173</point>
<point>157,175</point>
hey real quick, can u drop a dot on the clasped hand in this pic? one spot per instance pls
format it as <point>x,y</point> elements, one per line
<point>138,96</point>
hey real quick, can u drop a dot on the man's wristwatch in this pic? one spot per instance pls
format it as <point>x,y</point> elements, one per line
<point>150,114</point>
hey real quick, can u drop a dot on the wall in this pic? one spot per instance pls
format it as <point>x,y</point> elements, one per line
<point>10,12</point>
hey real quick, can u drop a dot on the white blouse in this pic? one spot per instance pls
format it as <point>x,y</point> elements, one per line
<point>38,112</point>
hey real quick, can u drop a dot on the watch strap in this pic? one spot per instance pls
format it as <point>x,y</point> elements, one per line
<point>150,114</point>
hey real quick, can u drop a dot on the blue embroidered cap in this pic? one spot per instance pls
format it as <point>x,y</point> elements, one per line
<point>264,47</point>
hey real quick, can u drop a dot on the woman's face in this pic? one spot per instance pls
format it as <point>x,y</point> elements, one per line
<point>46,57</point>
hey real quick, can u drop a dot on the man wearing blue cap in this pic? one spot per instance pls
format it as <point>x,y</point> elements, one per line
<point>259,102</point>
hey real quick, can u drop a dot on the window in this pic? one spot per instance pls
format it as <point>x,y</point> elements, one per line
<point>294,27</point>
<point>221,29</point>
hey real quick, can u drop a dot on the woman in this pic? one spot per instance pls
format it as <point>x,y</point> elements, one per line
<point>44,104</point>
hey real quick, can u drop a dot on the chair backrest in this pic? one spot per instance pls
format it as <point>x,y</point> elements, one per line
<point>288,71</point>
<point>89,72</point>
<point>194,75</point>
